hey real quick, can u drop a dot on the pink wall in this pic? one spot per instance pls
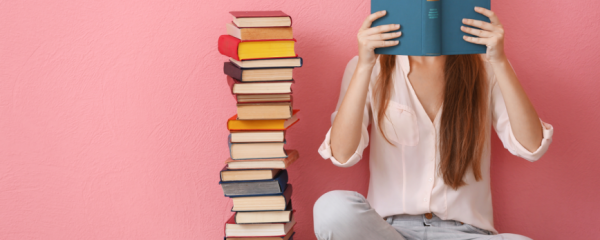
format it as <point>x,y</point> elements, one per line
<point>113,116</point>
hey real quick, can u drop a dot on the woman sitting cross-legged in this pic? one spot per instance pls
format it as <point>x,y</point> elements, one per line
<point>431,121</point>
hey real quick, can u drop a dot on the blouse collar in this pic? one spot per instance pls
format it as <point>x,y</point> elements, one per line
<point>404,63</point>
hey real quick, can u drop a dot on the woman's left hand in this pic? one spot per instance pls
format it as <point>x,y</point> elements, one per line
<point>489,34</point>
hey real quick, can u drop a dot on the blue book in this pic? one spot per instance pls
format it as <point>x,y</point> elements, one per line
<point>430,27</point>
<point>276,185</point>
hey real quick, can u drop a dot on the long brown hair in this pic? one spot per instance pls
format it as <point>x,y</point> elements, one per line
<point>464,114</point>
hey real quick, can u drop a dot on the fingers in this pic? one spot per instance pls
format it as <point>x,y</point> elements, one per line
<point>476,32</point>
<point>476,40</point>
<point>374,16</point>
<point>488,13</point>
<point>478,24</point>
<point>380,44</point>
<point>385,36</point>
<point>381,29</point>
<point>374,37</point>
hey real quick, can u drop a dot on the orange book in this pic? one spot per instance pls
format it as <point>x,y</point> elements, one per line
<point>234,124</point>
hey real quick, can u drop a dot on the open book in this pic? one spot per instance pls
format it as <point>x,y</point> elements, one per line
<point>430,27</point>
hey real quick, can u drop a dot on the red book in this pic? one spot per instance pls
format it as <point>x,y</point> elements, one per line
<point>261,19</point>
<point>248,14</point>
<point>256,49</point>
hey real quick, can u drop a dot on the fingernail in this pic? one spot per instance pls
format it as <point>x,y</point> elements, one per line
<point>382,11</point>
<point>397,25</point>
<point>396,42</point>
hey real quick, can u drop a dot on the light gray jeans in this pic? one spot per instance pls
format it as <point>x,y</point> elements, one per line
<point>346,215</point>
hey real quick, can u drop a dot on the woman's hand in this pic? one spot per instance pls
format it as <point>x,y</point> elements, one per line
<point>524,121</point>
<point>370,38</point>
<point>489,34</point>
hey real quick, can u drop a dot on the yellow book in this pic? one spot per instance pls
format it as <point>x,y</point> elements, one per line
<point>272,124</point>
<point>266,49</point>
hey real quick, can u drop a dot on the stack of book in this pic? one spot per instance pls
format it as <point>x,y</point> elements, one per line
<point>260,47</point>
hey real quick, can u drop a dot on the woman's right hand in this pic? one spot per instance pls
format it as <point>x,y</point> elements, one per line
<point>370,38</point>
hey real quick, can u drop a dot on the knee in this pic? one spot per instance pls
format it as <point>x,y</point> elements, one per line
<point>334,202</point>
<point>336,207</point>
<point>510,236</point>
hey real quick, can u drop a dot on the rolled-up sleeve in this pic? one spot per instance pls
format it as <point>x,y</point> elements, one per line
<point>503,128</point>
<point>325,148</point>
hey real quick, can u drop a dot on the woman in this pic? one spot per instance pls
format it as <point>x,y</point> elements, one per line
<point>430,144</point>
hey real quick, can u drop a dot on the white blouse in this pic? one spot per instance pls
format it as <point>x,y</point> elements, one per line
<point>404,177</point>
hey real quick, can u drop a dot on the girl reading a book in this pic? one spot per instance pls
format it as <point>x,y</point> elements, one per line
<point>431,122</point>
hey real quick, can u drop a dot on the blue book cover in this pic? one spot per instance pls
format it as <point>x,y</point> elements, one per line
<point>430,27</point>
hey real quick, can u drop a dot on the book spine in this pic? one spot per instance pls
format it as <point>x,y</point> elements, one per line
<point>233,71</point>
<point>222,170</point>
<point>231,82</point>
<point>228,46</point>
<point>432,31</point>
<point>229,144</point>
<point>283,180</point>
<point>288,195</point>
<point>285,142</point>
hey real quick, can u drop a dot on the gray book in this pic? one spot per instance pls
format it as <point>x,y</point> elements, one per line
<point>256,187</point>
